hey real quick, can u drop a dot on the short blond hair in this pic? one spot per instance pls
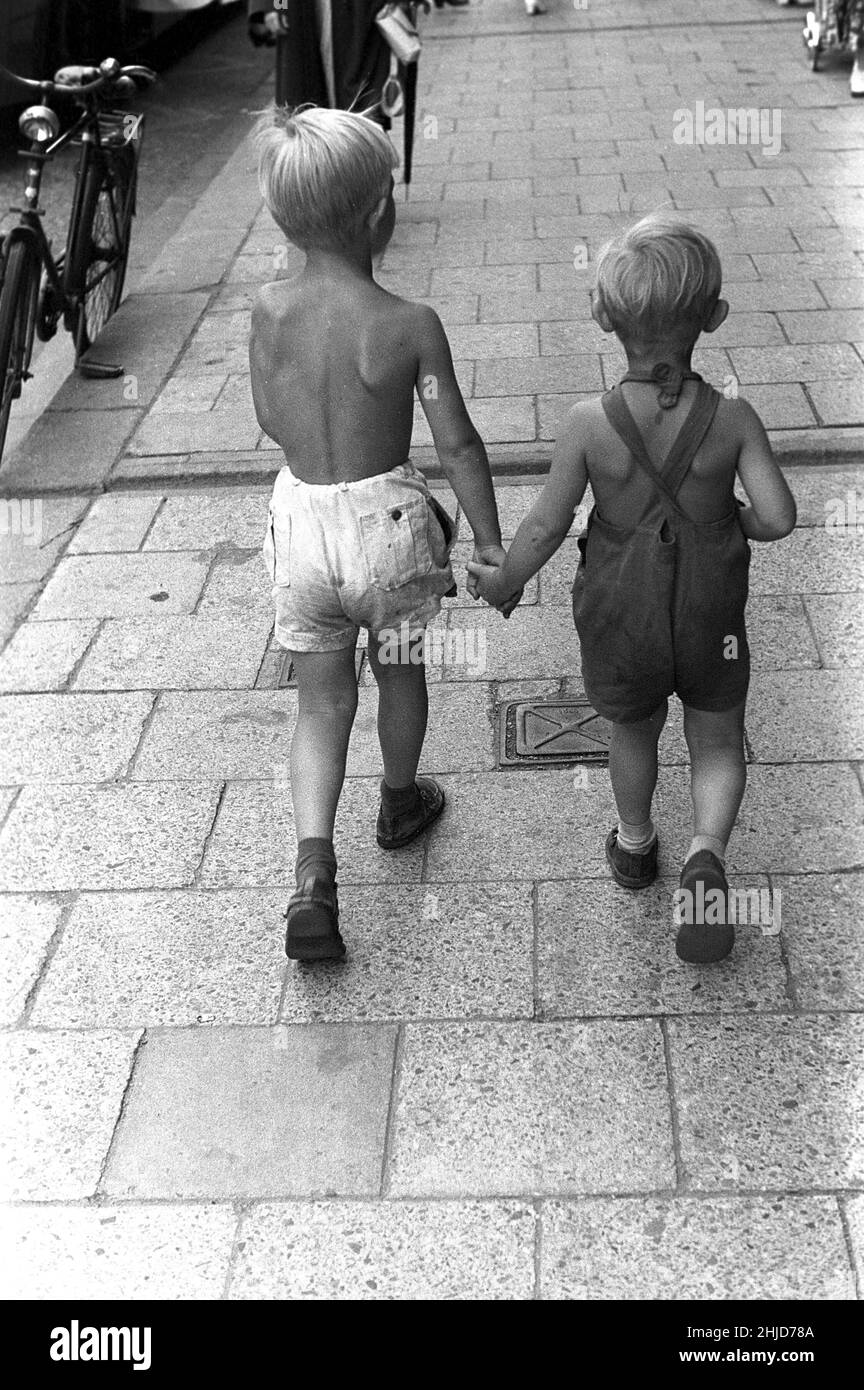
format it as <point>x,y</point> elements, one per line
<point>321,171</point>
<point>657,278</point>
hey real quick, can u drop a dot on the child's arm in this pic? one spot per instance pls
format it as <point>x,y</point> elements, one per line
<point>548,521</point>
<point>459,446</point>
<point>771,512</point>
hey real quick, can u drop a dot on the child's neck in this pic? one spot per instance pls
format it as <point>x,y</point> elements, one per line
<point>342,263</point>
<point>642,358</point>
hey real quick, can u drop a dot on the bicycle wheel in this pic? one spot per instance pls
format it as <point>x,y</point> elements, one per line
<point>17,321</point>
<point>99,241</point>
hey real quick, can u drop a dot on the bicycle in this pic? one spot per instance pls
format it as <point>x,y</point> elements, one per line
<point>83,284</point>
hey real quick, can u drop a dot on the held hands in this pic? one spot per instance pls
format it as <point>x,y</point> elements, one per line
<point>484,579</point>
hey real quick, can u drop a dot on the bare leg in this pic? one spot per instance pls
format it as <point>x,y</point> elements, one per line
<point>327,687</point>
<point>633,765</point>
<point>718,772</point>
<point>403,709</point>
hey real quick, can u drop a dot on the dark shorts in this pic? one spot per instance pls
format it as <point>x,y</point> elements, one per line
<point>661,614</point>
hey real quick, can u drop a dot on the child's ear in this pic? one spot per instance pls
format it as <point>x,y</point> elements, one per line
<point>599,315</point>
<point>717,316</point>
<point>377,212</point>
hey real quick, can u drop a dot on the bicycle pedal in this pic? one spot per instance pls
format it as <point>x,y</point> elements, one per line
<point>99,371</point>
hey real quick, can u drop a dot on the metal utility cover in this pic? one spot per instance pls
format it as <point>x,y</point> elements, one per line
<point>538,733</point>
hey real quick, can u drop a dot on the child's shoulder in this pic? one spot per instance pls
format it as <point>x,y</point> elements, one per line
<point>736,418</point>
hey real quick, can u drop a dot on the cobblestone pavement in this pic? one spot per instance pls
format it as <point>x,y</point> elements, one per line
<point>512,1088</point>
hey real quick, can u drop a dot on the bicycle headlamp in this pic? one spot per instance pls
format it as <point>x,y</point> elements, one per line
<point>39,124</point>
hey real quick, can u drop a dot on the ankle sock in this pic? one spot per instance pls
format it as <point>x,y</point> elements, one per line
<point>316,859</point>
<point>636,839</point>
<point>709,842</point>
<point>397,800</point>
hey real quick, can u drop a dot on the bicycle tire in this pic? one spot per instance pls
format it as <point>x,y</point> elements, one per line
<point>99,241</point>
<point>17,321</point>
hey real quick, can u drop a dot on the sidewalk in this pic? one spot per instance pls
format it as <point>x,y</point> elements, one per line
<point>512,1089</point>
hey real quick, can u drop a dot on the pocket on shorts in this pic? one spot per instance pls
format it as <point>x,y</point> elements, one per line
<point>395,543</point>
<point>277,549</point>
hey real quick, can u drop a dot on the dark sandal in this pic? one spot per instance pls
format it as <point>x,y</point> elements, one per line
<point>701,943</point>
<point>312,919</point>
<point>628,869</point>
<point>396,831</point>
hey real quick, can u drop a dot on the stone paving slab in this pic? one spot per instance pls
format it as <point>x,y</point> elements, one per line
<point>420,952</point>
<point>838,626</point>
<point>537,642</point>
<point>145,335</point>
<point>793,819</point>
<point>62,446</point>
<point>769,1102</point>
<point>69,738</point>
<point>34,532</point>
<point>28,925</point>
<point>719,1249</point>
<point>113,836</point>
<point>203,735</point>
<point>602,951</point>
<point>822,939</point>
<point>833,563</point>
<point>854,1207</point>
<point>459,734</point>
<point>42,656</point>
<point>193,521</point>
<point>236,586</point>
<point>63,1093</point>
<point>115,521</point>
<point>14,600</point>
<point>806,716</point>
<point>386,1250</point>
<point>165,959</point>
<point>117,586</point>
<point>254,843</point>
<point>174,653</point>
<point>494,1109</point>
<point>118,1253</point>
<point>255,1112</point>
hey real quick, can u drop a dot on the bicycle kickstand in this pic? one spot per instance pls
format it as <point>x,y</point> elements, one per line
<point>99,371</point>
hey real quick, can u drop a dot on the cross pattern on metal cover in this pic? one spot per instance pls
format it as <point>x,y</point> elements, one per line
<point>537,733</point>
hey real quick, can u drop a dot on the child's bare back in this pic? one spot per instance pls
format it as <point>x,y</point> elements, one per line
<point>735,442</point>
<point>334,364</point>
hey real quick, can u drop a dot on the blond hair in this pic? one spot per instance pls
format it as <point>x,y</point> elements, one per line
<point>320,171</point>
<point>661,277</point>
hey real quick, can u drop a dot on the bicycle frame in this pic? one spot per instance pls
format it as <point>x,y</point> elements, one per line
<point>30,227</point>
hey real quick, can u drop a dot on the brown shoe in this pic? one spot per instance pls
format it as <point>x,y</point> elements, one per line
<point>628,869</point>
<point>312,921</point>
<point>394,832</point>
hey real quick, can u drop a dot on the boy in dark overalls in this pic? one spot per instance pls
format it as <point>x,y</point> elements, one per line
<point>661,588</point>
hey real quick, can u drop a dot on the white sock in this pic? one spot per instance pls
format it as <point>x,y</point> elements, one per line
<point>635,839</point>
<point>709,842</point>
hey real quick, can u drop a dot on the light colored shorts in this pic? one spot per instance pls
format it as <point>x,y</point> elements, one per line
<point>341,556</point>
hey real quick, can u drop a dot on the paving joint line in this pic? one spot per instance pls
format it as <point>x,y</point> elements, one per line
<point>128,777</point>
<point>233,1254</point>
<point>850,1246</point>
<point>196,873</point>
<point>68,687</point>
<point>673,1106</point>
<point>99,1197</point>
<point>247,1203</point>
<point>537,1208</point>
<point>393,1100</point>
<point>51,949</point>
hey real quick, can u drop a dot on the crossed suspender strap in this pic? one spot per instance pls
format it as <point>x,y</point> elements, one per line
<point>687,442</point>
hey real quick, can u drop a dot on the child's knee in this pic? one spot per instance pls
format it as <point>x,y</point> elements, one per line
<point>710,732</point>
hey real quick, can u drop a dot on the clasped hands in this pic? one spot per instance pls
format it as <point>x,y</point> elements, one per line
<point>484,579</point>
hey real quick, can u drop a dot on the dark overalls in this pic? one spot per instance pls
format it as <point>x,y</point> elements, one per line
<point>659,607</point>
